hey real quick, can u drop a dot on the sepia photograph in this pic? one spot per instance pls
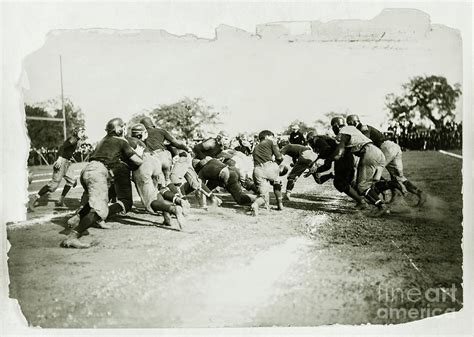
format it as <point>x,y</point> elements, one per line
<point>287,166</point>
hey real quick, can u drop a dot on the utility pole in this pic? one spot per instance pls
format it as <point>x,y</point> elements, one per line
<point>62,96</point>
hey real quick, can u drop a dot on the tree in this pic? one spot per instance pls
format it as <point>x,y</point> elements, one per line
<point>50,134</point>
<point>326,122</point>
<point>424,98</point>
<point>304,128</point>
<point>187,118</point>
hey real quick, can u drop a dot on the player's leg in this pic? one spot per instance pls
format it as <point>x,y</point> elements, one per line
<point>272,172</point>
<point>159,204</point>
<point>70,183</point>
<point>96,180</point>
<point>123,189</point>
<point>369,170</point>
<point>300,166</point>
<point>50,187</point>
<point>233,186</point>
<point>166,165</point>
<point>396,171</point>
<point>262,188</point>
<point>142,177</point>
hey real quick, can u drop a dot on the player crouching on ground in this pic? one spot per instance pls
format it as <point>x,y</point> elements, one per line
<point>371,162</point>
<point>393,157</point>
<point>146,178</point>
<point>215,173</point>
<point>60,168</point>
<point>266,171</point>
<point>106,163</point>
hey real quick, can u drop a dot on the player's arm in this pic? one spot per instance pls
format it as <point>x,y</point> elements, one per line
<point>339,151</point>
<point>134,155</point>
<point>174,142</point>
<point>277,153</point>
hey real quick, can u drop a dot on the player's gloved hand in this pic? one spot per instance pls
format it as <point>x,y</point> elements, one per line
<point>175,159</point>
<point>139,150</point>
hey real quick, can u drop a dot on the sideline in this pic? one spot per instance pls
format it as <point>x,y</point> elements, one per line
<point>49,217</point>
<point>450,154</point>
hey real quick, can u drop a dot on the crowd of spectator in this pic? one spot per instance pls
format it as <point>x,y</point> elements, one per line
<point>411,137</point>
<point>44,156</point>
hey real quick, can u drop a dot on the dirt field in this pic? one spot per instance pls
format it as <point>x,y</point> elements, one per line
<point>317,262</point>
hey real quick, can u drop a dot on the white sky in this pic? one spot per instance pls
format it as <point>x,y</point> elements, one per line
<point>24,26</point>
<point>110,77</point>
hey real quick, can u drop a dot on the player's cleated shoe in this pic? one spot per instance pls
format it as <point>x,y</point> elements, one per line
<point>254,209</point>
<point>74,221</point>
<point>84,233</point>
<point>362,205</point>
<point>102,225</point>
<point>60,203</point>
<point>185,205</point>
<point>287,196</point>
<point>279,205</point>
<point>32,203</point>
<point>72,241</point>
<point>422,197</point>
<point>216,201</point>
<point>381,211</point>
<point>166,219</point>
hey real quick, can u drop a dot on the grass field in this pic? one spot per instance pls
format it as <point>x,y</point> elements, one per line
<point>317,262</point>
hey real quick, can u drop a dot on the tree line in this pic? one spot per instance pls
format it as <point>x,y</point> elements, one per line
<point>424,100</point>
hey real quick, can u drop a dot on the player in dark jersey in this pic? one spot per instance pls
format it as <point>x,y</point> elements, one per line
<point>215,173</point>
<point>393,157</point>
<point>212,147</point>
<point>302,157</point>
<point>266,171</point>
<point>244,145</point>
<point>109,161</point>
<point>60,169</point>
<point>156,144</point>
<point>344,168</point>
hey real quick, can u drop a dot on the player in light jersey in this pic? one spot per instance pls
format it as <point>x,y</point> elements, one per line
<point>371,162</point>
<point>393,157</point>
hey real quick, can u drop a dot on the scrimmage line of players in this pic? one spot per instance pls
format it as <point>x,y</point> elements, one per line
<point>165,170</point>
